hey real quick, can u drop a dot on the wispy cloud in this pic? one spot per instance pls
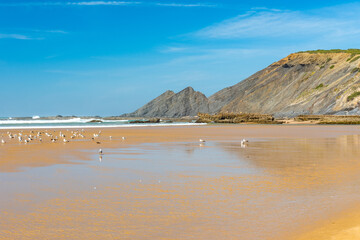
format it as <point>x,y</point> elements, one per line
<point>29,34</point>
<point>68,3</point>
<point>97,3</point>
<point>16,36</point>
<point>171,49</point>
<point>53,31</point>
<point>106,3</point>
<point>279,24</point>
<point>185,5</point>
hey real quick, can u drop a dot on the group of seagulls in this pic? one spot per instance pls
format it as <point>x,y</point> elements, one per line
<point>38,136</point>
<point>51,136</point>
<point>21,138</point>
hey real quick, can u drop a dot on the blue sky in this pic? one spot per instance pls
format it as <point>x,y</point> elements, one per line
<point>111,57</point>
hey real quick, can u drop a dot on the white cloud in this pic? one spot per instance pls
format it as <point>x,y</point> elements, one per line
<point>173,49</point>
<point>15,36</point>
<point>185,5</point>
<point>106,3</point>
<point>55,31</point>
<point>97,3</point>
<point>279,24</point>
<point>69,3</point>
<point>30,34</point>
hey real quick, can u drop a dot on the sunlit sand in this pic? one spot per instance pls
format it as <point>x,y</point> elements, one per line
<point>239,182</point>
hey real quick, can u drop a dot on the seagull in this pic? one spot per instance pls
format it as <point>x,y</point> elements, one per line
<point>244,141</point>
<point>100,151</point>
<point>201,140</point>
<point>3,141</point>
<point>123,138</point>
<point>65,141</point>
<point>110,137</point>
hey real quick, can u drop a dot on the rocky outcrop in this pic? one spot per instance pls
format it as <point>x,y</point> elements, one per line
<point>314,82</point>
<point>236,118</point>
<point>184,103</point>
<point>302,83</point>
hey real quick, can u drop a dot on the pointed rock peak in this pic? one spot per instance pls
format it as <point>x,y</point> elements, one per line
<point>188,89</point>
<point>168,92</point>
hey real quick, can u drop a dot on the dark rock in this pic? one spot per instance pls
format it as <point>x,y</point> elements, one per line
<point>95,121</point>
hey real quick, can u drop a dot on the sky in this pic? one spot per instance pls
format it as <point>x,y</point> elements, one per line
<point>106,58</point>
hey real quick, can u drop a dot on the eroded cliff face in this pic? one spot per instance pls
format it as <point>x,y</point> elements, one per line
<point>301,83</point>
<point>187,102</point>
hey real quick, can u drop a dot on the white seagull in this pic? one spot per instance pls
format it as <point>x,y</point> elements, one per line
<point>243,143</point>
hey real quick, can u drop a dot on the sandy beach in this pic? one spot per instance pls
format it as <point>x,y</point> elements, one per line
<point>288,182</point>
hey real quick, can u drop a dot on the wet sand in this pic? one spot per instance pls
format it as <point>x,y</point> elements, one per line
<point>288,182</point>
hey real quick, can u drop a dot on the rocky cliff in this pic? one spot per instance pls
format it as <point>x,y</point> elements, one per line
<point>302,83</point>
<point>184,103</point>
<point>314,82</point>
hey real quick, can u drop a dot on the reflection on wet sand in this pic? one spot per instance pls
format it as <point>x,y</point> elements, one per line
<point>303,160</point>
<point>174,187</point>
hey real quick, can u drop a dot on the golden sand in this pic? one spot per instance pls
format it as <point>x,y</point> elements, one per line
<point>290,182</point>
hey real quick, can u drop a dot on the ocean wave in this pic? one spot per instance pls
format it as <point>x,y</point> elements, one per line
<point>39,121</point>
<point>55,121</point>
<point>101,126</point>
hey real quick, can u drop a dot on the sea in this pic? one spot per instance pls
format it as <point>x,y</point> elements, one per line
<point>78,122</point>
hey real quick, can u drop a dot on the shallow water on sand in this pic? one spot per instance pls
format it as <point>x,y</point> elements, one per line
<point>185,190</point>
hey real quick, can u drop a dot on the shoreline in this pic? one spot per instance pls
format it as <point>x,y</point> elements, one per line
<point>103,126</point>
<point>180,124</point>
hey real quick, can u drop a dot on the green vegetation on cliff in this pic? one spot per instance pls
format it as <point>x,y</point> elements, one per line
<point>350,50</point>
<point>354,59</point>
<point>321,85</point>
<point>352,96</point>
